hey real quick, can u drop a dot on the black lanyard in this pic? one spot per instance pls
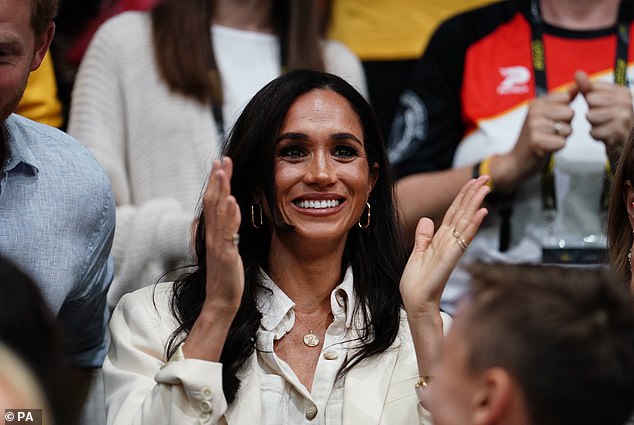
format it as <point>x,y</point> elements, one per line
<point>549,198</point>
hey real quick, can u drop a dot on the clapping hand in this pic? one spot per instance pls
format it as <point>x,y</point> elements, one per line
<point>435,255</point>
<point>225,272</point>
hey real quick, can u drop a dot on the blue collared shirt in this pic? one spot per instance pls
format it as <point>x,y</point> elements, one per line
<point>57,218</point>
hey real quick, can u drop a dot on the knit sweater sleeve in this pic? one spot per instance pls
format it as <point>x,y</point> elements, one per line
<point>155,232</point>
<point>97,114</point>
<point>151,236</point>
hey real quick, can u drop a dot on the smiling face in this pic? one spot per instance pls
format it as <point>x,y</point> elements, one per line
<point>322,176</point>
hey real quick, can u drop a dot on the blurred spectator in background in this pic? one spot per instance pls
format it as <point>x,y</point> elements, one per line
<point>154,99</point>
<point>389,36</point>
<point>47,95</point>
<point>106,9</point>
<point>547,123</point>
<point>72,19</point>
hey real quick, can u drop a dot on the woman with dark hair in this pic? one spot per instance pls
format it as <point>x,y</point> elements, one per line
<point>621,215</point>
<point>294,311</point>
<point>155,95</point>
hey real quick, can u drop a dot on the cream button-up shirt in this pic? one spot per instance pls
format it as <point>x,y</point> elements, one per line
<point>285,400</point>
<point>143,387</point>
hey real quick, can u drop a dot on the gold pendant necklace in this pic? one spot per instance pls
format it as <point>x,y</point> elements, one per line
<point>310,338</point>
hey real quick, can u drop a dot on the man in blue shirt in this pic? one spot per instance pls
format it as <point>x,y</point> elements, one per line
<point>57,211</point>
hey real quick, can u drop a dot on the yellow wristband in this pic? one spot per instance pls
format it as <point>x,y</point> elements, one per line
<point>485,168</point>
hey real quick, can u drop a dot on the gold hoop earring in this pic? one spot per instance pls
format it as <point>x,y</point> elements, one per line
<point>367,220</point>
<point>259,222</point>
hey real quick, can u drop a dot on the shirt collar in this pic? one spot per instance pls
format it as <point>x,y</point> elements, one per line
<point>342,298</point>
<point>17,151</point>
<point>276,306</point>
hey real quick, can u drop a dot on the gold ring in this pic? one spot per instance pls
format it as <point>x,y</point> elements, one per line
<point>235,238</point>
<point>423,382</point>
<point>557,128</point>
<point>459,240</point>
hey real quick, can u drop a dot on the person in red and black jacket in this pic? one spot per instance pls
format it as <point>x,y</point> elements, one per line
<point>536,94</point>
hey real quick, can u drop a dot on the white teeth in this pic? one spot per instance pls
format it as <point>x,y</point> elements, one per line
<point>331,203</point>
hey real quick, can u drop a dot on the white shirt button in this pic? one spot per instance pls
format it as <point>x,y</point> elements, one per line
<point>205,406</point>
<point>207,393</point>
<point>330,355</point>
<point>311,412</point>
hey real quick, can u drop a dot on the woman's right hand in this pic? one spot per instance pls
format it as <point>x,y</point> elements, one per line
<point>225,272</point>
<point>224,279</point>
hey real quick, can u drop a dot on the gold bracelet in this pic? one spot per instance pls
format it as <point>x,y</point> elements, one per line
<point>423,382</point>
<point>421,387</point>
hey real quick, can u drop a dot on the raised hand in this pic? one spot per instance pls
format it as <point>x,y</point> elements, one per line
<point>435,255</point>
<point>432,260</point>
<point>224,282</point>
<point>225,272</point>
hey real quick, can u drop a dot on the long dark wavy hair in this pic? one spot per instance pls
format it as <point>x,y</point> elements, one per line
<point>375,254</point>
<point>185,56</point>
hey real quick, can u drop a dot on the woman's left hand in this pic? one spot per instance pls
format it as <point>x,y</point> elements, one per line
<point>435,255</point>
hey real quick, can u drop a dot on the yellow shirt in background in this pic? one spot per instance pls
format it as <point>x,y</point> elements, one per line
<point>391,29</point>
<point>39,102</point>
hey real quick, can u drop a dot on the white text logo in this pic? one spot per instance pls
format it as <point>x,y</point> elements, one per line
<point>515,81</point>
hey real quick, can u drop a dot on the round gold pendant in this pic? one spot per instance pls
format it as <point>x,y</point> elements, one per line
<point>311,339</point>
